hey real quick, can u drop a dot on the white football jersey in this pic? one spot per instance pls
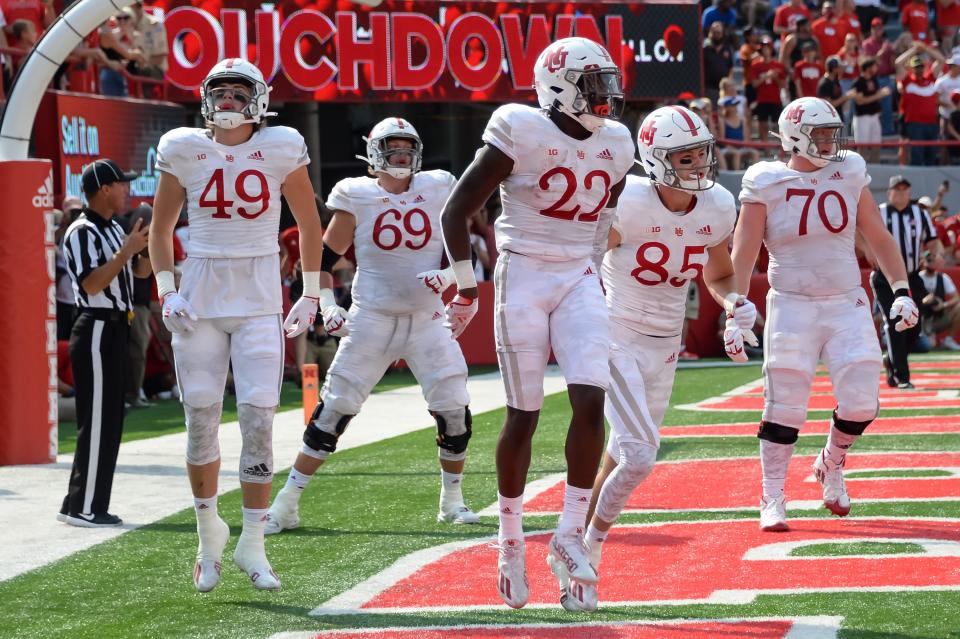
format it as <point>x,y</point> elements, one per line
<point>811,224</point>
<point>646,278</point>
<point>396,237</point>
<point>559,185</point>
<point>233,207</point>
<point>233,192</point>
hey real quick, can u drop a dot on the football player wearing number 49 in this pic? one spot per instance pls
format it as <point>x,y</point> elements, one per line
<point>228,307</point>
<point>670,227</point>
<point>560,170</point>
<point>809,212</point>
<point>391,218</point>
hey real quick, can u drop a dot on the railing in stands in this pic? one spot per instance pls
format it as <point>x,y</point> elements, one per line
<point>86,76</point>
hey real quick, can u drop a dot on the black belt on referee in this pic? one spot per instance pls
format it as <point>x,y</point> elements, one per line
<point>107,314</point>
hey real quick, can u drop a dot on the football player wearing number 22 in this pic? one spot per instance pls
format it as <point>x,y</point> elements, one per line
<point>810,212</point>
<point>560,169</point>
<point>228,307</point>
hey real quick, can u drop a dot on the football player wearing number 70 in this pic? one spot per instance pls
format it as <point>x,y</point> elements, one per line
<point>228,307</point>
<point>810,211</point>
<point>560,170</point>
<point>670,227</point>
<point>392,218</point>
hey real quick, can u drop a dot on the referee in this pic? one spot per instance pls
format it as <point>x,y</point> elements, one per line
<point>914,233</point>
<point>102,262</point>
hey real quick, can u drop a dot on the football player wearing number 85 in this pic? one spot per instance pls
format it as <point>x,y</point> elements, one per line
<point>670,227</point>
<point>228,306</point>
<point>392,219</point>
<point>810,211</point>
<point>560,170</point>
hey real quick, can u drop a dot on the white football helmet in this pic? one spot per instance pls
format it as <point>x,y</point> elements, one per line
<point>797,124</point>
<point>235,70</point>
<point>578,77</point>
<point>675,133</point>
<point>378,156</point>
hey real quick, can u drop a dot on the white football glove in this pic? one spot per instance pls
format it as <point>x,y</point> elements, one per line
<point>335,321</point>
<point>733,339</point>
<point>178,315</point>
<point>906,309</point>
<point>301,316</point>
<point>458,313</point>
<point>437,281</point>
<point>742,310</point>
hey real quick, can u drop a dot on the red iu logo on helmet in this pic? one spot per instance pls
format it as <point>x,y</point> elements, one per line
<point>795,113</point>
<point>646,133</point>
<point>554,60</point>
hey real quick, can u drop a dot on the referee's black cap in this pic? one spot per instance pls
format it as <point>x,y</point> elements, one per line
<point>103,172</point>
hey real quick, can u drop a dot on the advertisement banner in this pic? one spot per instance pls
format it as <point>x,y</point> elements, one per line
<point>333,50</point>
<point>92,127</point>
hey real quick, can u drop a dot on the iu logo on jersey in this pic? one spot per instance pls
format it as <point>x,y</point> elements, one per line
<point>795,113</point>
<point>678,231</point>
<point>229,158</point>
<point>647,132</point>
<point>554,60</point>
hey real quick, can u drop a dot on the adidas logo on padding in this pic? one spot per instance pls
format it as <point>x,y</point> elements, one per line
<point>605,155</point>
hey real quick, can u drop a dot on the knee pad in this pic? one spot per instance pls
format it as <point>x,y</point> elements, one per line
<point>636,463</point>
<point>203,433</point>
<point>778,434</point>
<point>851,427</point>
<point>324,430</point>
<point>256,453</point>
<point>453,432</point>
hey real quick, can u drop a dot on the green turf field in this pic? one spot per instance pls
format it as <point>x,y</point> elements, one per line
<point>372,505</point>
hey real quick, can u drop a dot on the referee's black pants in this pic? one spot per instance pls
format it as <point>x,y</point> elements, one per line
<point>98,353</point>
<point>898,344</point>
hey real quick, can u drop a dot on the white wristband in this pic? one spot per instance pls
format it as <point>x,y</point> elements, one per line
<point>896,286</point>
<point>730,301</point>
<point>166,284</point>
<point>311,283</point>
<point>463,273</point>
<point>326,298</point>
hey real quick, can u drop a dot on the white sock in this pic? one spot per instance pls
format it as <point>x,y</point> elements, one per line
<point>254,520</point>
<point>205,507</point>
<point>511,517</point>
<point>450,490</point>
<point>595,539</point>
<point>576,503</point>
<point>774,460</point>
<point>296,482</point>
<point>836,449</point>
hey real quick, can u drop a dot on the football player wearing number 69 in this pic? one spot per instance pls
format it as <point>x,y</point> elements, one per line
<point>809,212</point>
<point>392,218</point>
<point>670,227</point>
<point>228,308</point>
<point>560,169</point>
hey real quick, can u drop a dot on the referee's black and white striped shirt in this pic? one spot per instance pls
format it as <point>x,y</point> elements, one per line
<point>911,228</point>
<point>88,244</point>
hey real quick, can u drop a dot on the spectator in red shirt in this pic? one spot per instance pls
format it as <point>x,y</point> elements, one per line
<point>877,46</point>
<point>807,72</point>
<point>829,30</point>
<point>847,13</point>
<point>786,17</point>
<point>916,20</point>
<point>918,101</point>
<point>768,77</point>
<point>948,22</point>
<point>39,12</point>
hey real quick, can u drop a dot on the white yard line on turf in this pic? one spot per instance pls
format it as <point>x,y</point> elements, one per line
<point>150,481</point>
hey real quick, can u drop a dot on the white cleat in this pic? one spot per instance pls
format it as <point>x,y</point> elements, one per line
<point>284,514</point>
<point>570,551</point>
<point>773,514</point>
<point>206,572</point>
<point>251,558</point>
<point>512,573</point>
<point>457,514</point>
<point>575,596</point>
<point>835,497</point>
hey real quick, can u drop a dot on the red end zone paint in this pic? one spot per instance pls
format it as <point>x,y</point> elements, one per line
<point>772,629</point>
<point>881,426</point>
<point>735,483</point>
<point>827,402</point>
<point>651,563</point>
